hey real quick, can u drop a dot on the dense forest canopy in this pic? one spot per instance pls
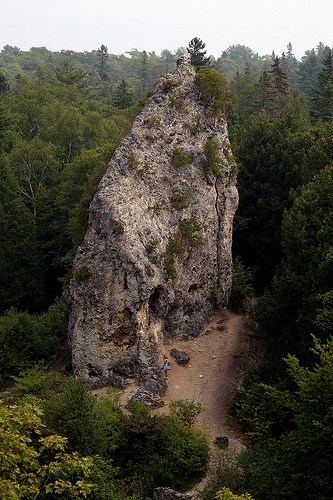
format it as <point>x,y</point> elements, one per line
<point>62,114</point>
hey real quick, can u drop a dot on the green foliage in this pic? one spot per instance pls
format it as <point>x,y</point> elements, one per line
<point>174,248</point>
<point>322,92</point>
<point>223,472</point>
<point>118,229</point>
<point>196,127</point>
<point>132,160</point>
<point>71,413</point>
<point>25,338</point>
<point>151,246</point>
<point>82,273</point>
<point>168,85</point>
<point>35,465</point>
<point>190,230</point>
<point>197,53</point>
<point>123,95</point>
<point>180,158</point>
<point>242,288</point>
<point>185,410</point>
<point>150,271</point>
<point>212,158</point>
<point>296,462</point>
<point>37,381</point>
<point>226,494</point>
<point>213,87</point>
<point>180,201</point>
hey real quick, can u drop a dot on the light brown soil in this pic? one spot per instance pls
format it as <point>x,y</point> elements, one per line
<point>219,358</point>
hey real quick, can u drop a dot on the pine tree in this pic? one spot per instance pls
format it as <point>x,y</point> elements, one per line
<point>123,95</point>
<point>103,55</point>
<point>197,53</point>
<point>280,76</point>
<point>322,95</point>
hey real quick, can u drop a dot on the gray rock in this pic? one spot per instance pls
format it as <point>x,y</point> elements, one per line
<point>146,397</point>
<point>169,494</point>
<point>158,241</point>
<point>222,442</point>
<point>180,356</point>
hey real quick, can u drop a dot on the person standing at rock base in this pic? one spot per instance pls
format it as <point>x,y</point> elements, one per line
<point>166,367</point>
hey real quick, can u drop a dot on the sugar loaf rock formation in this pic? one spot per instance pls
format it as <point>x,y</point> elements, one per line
<point>156,256</point>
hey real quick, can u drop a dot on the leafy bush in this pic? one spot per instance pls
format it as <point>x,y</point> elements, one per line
<point>213,87</point>
<point>180,201</point>
<point>175,247</point>
<point>82,273</point>
<point>180,158</point>
<point>32,466</point>
<point>190,229</point>
<point>25,338</point>
<point>185,410</point>
<point>38,381</point>
<point>169,85</point>
<point>196,127</point>
<point>212,158</point>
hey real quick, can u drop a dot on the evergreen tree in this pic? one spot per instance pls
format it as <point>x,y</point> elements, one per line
<point>70,74</point>
<point>280,76</point>
<point>197,53</point>
<point>144,71</point>
<point>102,54</point>
<point>322,94</point>
<point>265,95</point>
<point>123,95</point>
<point>308,70</point>
<point>4,85</point>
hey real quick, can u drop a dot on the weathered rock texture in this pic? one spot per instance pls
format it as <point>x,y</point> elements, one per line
<point>157,250</point>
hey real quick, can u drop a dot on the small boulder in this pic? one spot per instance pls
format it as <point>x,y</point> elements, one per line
<point>181,357</point>
<point>222,442</point>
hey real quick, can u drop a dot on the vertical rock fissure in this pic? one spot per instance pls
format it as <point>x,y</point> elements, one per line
<point>218,243</point>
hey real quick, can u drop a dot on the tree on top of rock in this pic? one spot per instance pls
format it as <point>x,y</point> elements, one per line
<point>197,53</point>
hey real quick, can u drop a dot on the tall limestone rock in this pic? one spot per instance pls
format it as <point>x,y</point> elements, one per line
<point>157,250</point>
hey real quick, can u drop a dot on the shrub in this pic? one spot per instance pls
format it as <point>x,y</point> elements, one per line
<point>118,229</point>
<point>213,87</point>
<point>175,247</point>
<point>212,158</point>
<point>150,271</point>
<point>224,471</point>
<point>81,273</point>
<point>169,85</point>
<point>38,381</point>
<point>33,466</point>
<point>190,229</point>
<point>180,201</point>
<point>71,413</point>
<point>26,338</point>
<point>180,158</point>
<point>195,128</point>
<point>185,410</point>
<point>132,160</point>
<point>151,246</point>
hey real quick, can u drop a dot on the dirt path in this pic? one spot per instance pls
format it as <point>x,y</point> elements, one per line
<point>219,358</point>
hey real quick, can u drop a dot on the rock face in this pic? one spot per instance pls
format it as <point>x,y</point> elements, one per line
<point>157,250</point>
